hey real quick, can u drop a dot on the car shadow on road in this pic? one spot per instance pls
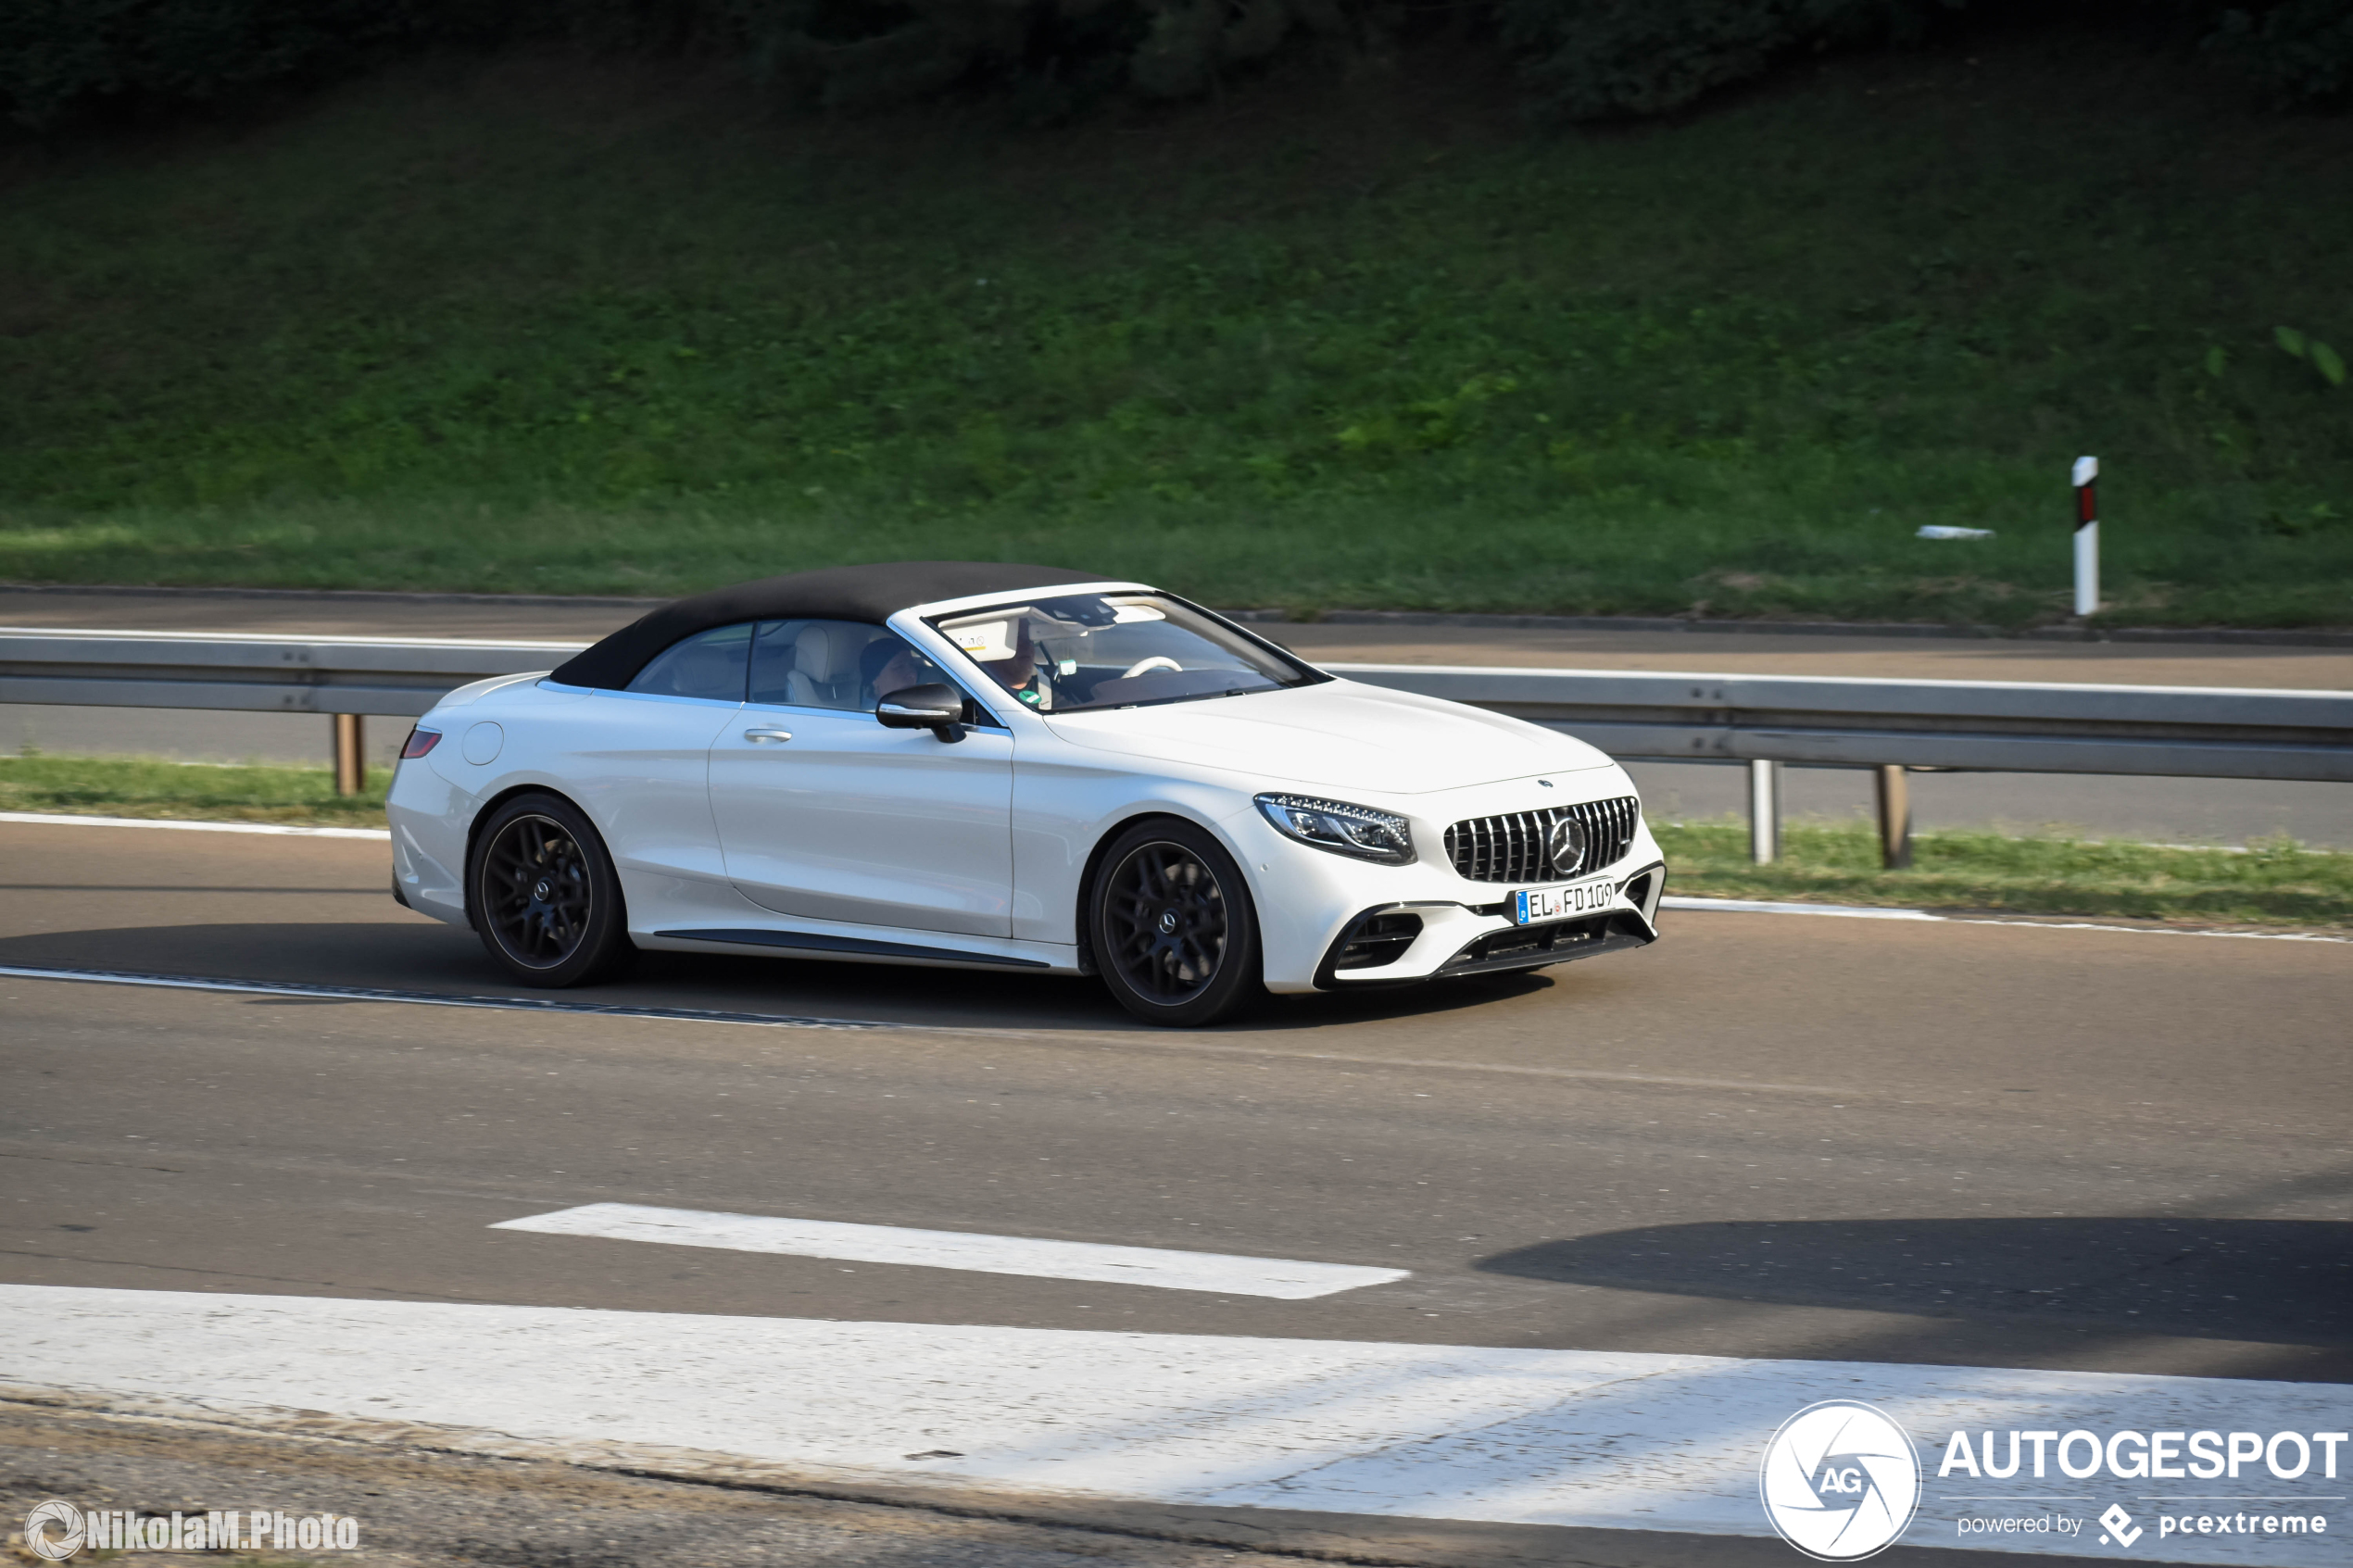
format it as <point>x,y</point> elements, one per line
<point>430,959</point>
<point>2278,1282</point>
<point>413,955</point>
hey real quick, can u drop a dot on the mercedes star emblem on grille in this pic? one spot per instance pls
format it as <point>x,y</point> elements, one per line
<point>1568,845</point>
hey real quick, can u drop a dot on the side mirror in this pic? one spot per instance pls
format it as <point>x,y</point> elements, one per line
<point>938,708</point>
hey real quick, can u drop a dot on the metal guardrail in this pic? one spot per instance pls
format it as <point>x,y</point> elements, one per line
<point>253,673</point>
<point>2188,731</point>
<point>1892,727</point>
<point>2200,732</point>
<point>1762,721</point>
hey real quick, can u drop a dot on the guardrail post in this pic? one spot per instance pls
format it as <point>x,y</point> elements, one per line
<point>2087,537</point>
<point>1764,812</point>
<point>1895,818</point>
<point>351,754</point>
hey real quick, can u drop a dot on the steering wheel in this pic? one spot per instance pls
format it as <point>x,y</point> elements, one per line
<point>1157,662</point>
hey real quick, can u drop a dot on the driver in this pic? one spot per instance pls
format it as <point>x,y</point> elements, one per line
<point>1021,674</point>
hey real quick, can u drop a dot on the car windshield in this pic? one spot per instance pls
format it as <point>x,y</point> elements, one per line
<point>1113,650</point>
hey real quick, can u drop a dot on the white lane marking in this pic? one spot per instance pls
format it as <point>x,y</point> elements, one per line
<point>1671,901</point>
<point>1583,1074</point>
<point>1868,911</point>
<point>1124,1040</point>
<point>1761,907</point>
<point>428,998</point>
<point>1224,1274</point>
<point>1569,1437</point>
<point>2149,930</point>
<point>61,819</point>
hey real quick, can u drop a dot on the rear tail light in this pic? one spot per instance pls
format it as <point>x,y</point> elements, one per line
<point>418,743</point>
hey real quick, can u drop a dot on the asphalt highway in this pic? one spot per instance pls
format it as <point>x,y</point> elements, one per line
<point>2013,1145</point>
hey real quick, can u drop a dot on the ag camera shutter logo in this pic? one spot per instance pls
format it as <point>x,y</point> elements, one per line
<point>1840,1480</point>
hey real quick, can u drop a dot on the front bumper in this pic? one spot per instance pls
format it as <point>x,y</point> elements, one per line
<point>1329,922</point>
<point>1404,945</point>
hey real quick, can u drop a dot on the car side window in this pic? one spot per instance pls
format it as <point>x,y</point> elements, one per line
<point>848,665</point>
<point>708,664</point>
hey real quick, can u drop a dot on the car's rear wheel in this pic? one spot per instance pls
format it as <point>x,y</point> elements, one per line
<point>546,898</point>
<point>1173,935</point>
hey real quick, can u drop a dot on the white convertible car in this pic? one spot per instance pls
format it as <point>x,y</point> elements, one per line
<point>1008,766</point>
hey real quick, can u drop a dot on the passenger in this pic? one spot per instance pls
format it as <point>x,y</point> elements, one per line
<point>890,665</point>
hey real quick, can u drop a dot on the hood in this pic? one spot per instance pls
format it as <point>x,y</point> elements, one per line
<point>1337,736</point>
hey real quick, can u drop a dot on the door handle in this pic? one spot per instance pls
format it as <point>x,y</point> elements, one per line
<point>766,732</point>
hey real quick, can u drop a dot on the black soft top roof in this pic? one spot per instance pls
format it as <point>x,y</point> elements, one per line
<point>839,593</point>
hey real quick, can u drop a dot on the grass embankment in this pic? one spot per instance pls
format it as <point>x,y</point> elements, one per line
<point>109,787</point>
<point>2272,883</point>
<point>539,325</point>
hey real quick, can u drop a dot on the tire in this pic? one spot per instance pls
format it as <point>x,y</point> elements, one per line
<point>1174,937</point>
<point>544,894</point>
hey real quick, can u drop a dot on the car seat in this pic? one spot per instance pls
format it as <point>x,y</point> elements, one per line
<point>823,673</point>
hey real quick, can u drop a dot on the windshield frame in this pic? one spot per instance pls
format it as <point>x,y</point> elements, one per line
<point>1303,673</point>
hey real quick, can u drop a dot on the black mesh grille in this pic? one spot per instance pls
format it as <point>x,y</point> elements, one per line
<point>1517,847</point>
<point>1382,939</point>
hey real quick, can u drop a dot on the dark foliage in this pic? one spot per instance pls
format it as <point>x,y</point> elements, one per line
<point>2300,51</point>
<point>67,62</point>
<point>1596,59</point>
<point>1599,59</point>
<point>61,60</point>
<point>1050,59</point>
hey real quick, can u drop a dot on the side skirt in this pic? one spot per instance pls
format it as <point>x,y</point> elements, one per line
<point>819,943</point>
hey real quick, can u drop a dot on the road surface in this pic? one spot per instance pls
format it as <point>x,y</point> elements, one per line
<point>1870,1154</point>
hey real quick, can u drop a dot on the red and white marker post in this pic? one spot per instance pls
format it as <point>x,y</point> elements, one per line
<point>2087,536</point>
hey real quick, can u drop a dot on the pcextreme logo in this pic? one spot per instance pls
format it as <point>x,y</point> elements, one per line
<point>1840,1480</point>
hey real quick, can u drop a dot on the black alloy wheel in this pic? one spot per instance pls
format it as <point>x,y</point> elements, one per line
<point>545,898</point>
<point>536,891</point>
<point>1175,937</point>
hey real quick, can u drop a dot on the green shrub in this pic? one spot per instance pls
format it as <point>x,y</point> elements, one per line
<point>64,60</point>
<point>1592,59</point>
<point>2300,51</point>
<point>61,58</point>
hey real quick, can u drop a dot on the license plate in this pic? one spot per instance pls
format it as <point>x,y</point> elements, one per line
<point>1533,906</point>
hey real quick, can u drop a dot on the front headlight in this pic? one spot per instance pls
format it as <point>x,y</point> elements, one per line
<point>1343,829</point>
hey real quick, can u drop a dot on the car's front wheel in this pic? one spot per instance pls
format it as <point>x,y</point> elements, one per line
<point>546,898</point>
<point>1174,934</point>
